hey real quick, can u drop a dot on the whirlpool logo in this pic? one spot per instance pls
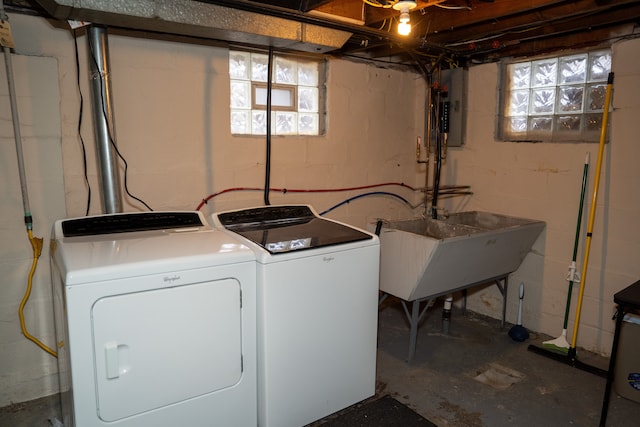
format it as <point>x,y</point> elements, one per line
<point>170,279</point>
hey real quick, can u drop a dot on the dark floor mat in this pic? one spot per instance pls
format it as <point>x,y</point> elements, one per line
<point>382,412</point>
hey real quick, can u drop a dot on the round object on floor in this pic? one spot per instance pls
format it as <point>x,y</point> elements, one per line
<point>519,333</point>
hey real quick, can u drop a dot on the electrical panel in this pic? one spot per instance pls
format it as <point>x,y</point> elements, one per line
<point>455,80</point>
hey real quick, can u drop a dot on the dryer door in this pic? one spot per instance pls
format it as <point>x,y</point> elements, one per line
<point>164,346</point>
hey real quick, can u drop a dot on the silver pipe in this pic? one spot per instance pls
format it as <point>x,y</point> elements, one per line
<point>103,121</point>
<point>16,127</point>
<point>17,136</point>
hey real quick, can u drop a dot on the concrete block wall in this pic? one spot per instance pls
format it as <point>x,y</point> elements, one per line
<point>171,109</point>
<point>171,119</point>
<point>542,181</point>
<point>25,370</point>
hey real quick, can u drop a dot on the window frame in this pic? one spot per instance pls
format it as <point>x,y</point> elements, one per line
<point>296,89</point>
<point>274,86</point>
<point>556,126</point>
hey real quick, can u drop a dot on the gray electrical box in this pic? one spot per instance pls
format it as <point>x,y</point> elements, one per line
<point>455,80</point>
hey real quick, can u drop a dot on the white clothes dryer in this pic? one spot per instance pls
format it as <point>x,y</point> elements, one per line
<point>155,321</point>
<point>317,311</point>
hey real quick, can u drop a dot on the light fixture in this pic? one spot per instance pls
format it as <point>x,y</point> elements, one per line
<point>404,27</point>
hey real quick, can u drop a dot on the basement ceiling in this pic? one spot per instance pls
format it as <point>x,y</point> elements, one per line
<point>478,30</point>
<point>460,32</point>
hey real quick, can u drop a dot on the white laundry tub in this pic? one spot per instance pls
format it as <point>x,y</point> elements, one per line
<point>426,258</point>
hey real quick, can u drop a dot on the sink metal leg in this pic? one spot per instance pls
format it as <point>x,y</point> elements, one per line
<point>413,336</point>
<point>503,290</point>
<point>464,302</point>
<point>383,296</point>
<point>414,317</point>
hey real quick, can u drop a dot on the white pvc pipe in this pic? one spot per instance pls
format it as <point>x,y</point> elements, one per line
<point>16,130</point>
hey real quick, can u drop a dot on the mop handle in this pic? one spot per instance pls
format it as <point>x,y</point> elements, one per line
<point>573,276</point>
<point>592,211</point>
<point>585,175</point>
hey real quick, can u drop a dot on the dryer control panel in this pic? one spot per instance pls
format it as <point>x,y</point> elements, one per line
<point>130,222</point>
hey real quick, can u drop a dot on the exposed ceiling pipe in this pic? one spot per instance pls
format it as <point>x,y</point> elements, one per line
<point>239,21</point>
<point>103,120</point>
<point>321,21</point>
<point>264,25</point>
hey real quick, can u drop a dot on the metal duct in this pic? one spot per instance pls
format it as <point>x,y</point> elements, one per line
<point>104,127</point>
<point>198,19</point>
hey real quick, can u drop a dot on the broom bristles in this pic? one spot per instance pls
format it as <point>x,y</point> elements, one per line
<point>559,344</point>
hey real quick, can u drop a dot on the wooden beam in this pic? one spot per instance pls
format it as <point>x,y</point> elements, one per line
<point>533,47</point>
<point>308,5</point>
<point>447,19</point>
<point>577,16</point>
<point>353,10</point>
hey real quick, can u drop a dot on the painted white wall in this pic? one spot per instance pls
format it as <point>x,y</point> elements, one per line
<point>542,181</point>
<point>171,106</point>
<point>23,366</point>
<point>171,119</point>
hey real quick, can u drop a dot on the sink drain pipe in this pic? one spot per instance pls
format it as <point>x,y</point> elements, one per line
<point>446,314</point>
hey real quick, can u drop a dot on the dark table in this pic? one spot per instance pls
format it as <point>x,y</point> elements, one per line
<point>627,299</point>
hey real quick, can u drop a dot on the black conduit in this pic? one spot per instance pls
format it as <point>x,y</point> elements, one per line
<point>267,167</point>
<point>436,179</point>
<point>378,227</point>
<point>438,158</point>
<point>443,130</point>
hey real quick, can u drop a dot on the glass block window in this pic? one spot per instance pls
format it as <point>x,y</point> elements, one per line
<point>554,99</point>
<point>296,94</point>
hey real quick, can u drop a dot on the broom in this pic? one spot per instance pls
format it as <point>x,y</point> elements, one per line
<point>592,215</point>
<point>570,355</point>
<point>561,344</point>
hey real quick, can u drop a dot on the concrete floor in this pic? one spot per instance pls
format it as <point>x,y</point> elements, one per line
<point>516,388</point>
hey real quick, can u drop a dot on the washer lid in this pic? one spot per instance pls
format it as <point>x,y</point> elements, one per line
<point>281,229</point>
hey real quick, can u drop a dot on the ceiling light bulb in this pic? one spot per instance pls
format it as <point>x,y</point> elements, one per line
<point>404,28</point>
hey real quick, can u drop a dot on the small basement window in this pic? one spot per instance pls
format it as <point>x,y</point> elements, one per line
<point>554,99</point>
<point>297,101</point>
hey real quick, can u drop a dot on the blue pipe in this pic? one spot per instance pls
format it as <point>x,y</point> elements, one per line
<point>373,193</point>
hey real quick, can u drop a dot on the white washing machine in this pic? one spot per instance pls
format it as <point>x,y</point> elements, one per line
<point>155,321</point>
<point>317,311</point>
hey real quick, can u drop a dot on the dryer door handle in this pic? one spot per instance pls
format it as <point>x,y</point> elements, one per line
<point>112,359</point>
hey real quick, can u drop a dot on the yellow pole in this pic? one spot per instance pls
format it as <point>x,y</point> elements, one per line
<point>592,213</point>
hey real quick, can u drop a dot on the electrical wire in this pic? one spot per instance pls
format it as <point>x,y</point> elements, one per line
<point>111,139</point>
<point>285,190</point>
<point>372,193</point>
<point>36,244</point>
<point>444,6</point>
<point>478,40</point>
<point>375,3</point>
<point>445,192</point>
<point>80,114</point>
